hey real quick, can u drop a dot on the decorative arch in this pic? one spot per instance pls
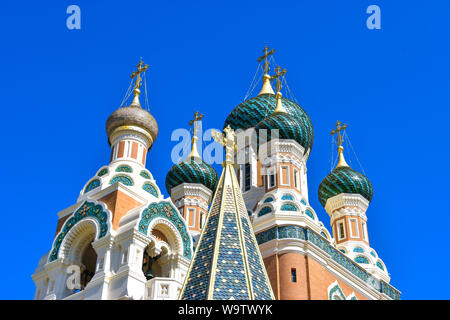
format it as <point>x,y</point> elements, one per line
<point>124,168</point>
<point>102,172</point>
<point>265,210</point>
<point>335,292</point>
<point>94,214</point>
<point>169,231</point>
<point>310,214</point>
<point>288,207</point>
<point>358,249</point>
<point>95,183</point>
<point>168,212</point>
<point>145,174</point>
<point>362,259</point>
<point>268,199</point>
<point>303,202</point>
<point>380,265</point>
<point>124,179</point>
<point>150,188</point>
<point>287,196</point>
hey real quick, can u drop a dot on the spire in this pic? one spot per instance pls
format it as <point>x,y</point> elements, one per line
<point>138,82</point>
<point>227,264</point>
<point>340,127</point>
<point>277,76</point>
<point>267,87</point>
<point>194,152</point>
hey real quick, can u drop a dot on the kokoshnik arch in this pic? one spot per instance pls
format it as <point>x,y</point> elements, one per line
<point>248,234</point>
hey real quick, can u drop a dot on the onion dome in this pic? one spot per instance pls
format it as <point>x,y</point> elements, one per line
<point>192,170</point>
<point>344,179</point>
<point>133,115</point>
<point>288,126</point>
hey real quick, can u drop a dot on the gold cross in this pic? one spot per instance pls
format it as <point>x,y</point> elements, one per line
<point>340,127</point>
<point>197,116</point>
<point>278,74</point>
<point>140,68</point>
<point>266,54</point>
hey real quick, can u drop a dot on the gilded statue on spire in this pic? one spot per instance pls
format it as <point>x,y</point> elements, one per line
<point>228,140</point>
<point>141,67</point>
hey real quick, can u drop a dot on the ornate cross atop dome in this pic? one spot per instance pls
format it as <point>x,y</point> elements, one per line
<point>141,67</point>
<point>340,128</point>
<point>194,122</point>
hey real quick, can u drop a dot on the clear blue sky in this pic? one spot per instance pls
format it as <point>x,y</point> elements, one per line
<point>391,86</point>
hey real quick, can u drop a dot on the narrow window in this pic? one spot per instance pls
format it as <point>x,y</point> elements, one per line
<point>271,178</point>
<point>285,175</point>
<point>354,230</point>
<point>247,176</point>
<point>201,219</point>
<point>125,257</point>
<point>192,217</point>
<point>296,184</point>
<point>363,227</point>
<point>341,230</point>
<point>293,275</point>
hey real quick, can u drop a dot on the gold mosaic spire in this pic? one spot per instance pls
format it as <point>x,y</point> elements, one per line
<point>227,264</point>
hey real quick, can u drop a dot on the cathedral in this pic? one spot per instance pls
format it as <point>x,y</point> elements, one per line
<point>248,233</point>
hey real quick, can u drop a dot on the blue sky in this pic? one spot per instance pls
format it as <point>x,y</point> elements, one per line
<point>390,86</point>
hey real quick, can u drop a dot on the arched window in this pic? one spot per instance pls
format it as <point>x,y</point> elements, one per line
<point>358,249</point>
<point>264,211</point>
<point>88,265</point>
<point>269,199</point>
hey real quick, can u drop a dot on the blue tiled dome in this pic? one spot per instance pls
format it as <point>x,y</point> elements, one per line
<point>289,127</point>
<point>192,170</point>
<point>252,111</point>
<point>344,180</point>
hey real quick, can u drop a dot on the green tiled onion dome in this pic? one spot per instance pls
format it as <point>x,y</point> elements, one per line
<point>289,127</point>
<point>192,170</point>
<point>252,111</point>
<point>344,180</point>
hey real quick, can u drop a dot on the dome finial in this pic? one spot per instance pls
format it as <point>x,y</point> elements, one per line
<point>138,82</point>
<point>194,152</point>
<point>266,88</point>
<point>340,127</point>
<point>279,73</point>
